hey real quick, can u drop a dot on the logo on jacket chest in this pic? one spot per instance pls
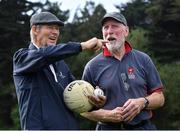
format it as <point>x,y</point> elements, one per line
<point>131,72</point>
<point>61,75</point>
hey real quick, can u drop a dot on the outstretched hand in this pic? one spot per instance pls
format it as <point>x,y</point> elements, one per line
<point>93,44</point>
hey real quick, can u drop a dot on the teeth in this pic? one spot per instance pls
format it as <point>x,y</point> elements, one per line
<point>111,39</point>
<point>52,38</point>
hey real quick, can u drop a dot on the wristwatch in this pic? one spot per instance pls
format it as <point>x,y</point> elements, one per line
<point>146,103</point>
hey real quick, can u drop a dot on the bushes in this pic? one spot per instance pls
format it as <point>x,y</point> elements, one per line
<point>170,114</point>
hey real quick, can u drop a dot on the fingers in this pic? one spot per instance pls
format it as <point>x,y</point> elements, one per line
<point>97,101</point>
<point>99,45</point>
<point>130,109</point>
<point>93,99</point>
<point>130,115</point>
<point>127,109</point>
<point>97,48</point>
<point>126,104</point>
<point>90,44</point>
<point>102,43</point>
<point>116,115</point>
<point>93,44</point>
<point>102,98</point>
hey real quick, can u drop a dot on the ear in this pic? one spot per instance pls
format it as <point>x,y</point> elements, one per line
<point>102,33</point>
<point>126,31</point>
<point>35,29</point>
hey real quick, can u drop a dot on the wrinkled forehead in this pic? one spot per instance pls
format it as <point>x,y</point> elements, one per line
<point>49,26</point>
<point>111,21</point>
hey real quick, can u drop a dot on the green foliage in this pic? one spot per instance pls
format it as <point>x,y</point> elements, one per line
<point>165,29</point>
<point>161,18</point>
<point>139,39</point>
<point>135,13</point>
<point>77,63</point>
<point>84,27</point>
<point>171,80</point>
<point>55,9</point>
<point>7,94</point>
<point>15,117</point>
<point>169,116</point>
<point>165,13</point>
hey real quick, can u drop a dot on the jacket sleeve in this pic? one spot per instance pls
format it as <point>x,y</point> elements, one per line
<point>88,75</point>
<point>29,60</point>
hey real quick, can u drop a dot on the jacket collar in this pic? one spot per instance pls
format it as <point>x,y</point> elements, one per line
<point>32,46</point>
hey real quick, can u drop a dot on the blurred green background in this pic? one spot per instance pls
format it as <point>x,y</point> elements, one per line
<point>154,28</point>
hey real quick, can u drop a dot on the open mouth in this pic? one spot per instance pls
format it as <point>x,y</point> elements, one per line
<point>111,39</point>
<point>52,38</point>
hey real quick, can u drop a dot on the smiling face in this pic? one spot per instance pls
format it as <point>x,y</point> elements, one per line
<point>45,34</point>
<point>116,33</point>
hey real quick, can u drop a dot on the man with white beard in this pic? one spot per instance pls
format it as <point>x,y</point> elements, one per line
<point>128,77</point>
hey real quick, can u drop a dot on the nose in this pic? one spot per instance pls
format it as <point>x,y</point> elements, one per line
<point>109,30</point>
<point>55,30</point>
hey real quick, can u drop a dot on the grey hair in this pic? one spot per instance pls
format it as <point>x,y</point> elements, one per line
<point>32,36</point>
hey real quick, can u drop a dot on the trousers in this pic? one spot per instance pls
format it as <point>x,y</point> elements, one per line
<point>143,125</point>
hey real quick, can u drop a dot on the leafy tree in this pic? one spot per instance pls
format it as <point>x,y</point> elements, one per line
<point>139,39</point>
<point>162,19</point>
<point>168,117</point>
<point>83,27</point>
<point>165,29</point>
<point>55,9</point>
<point>135,13</point>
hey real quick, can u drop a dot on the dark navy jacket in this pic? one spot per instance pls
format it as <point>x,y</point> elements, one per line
<point>40,97</point>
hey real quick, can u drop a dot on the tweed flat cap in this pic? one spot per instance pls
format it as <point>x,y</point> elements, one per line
<point>45,18</point>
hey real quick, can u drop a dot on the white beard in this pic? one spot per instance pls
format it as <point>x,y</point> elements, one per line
<point>115,45</point>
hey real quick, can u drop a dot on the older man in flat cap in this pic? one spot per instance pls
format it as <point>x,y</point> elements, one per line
<point>40,75</point>
<point>128,78</point>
